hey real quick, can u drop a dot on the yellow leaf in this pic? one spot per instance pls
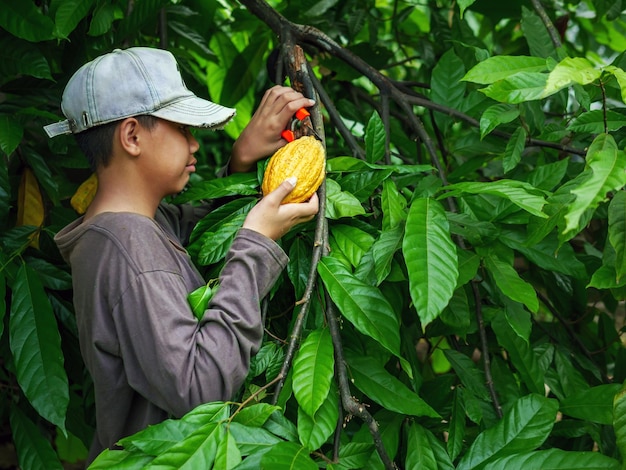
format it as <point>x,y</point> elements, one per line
<point>84,194</point>
<point>30,209</point>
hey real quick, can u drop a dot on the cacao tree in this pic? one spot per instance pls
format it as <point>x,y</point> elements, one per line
<point>459,301</point>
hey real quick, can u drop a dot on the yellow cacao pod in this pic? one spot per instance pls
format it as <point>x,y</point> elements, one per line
<point>304,158</point>
<point>84,194</point>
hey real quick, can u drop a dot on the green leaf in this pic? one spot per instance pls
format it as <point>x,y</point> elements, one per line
<point>198,450</point>
<point>5,194</point>
<point>159,438</point>
<point>363,184</point>
<point>523,86</point>
<point>281,426</point>
<point>604,173</point>
<point>216,244</point>
<point>547,176</point>
<point>383,251</point>
<point>34,452</point>
<point>509,281</point>
<point>255,415</point>
<point>536,34</point>
<point>25,20</point>
<point>314,430</point>
<point>252,440</point>
<point>430,257</point>
<point>340,203</point>
<point>354,455</point>
<point>464,4</point>
<point>555,458</point>
<point>351,241</point>
<point>620,76</point>
<point>287,456</point>
<point>571,380</point>
<point>214,219</point>
<point>456,429</point>
<point>382,387</point>
<point>3,305</point>
<point>228,455</point>
<point>351,165</point>
<point>299,265</point>
<point>313,370</point>
<point>266,359</point>
<point>20,57</point>
<point>424,451</point>
<point>518,319</point>
<point>598,121</point>
<point>375,138</point>
<point>556,208</point>
<point>547,253</point>
<point>495,115</point>
<point>514,148</point>
<point>470,376</point>
<point>520,353</point>
<point>619,420</point>
<point>594,404</point>
<point>523,428</point>
<point>241,72</point>
<point>36,346</point>
<point>617,231</point>
<point>140,14</point>
<point>119,459</point>
<point>393,205</point>
<point>68,15</point>
<point>363,305</point>
<point>446,84</point>
<point>568,72</point>
<point>237,184</point>
<point>103,17</point>
<point>500,67</point>
<point>199,299</point>
<point>521,194</point>
<point>11,133</point>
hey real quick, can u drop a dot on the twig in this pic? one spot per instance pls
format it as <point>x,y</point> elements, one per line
<point>349,403</point>
<point>336,120</point>
<point>163,29</point>
<point>254,395</point>
<point>554,34</point>
<point>484,345</point>
<point>572,334</point>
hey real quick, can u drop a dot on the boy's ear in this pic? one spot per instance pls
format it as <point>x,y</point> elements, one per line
<point>128,135</point>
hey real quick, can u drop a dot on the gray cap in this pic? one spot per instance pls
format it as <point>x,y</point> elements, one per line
<point>130,82</point>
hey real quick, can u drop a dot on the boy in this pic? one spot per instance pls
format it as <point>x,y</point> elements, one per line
<point>149,358</point>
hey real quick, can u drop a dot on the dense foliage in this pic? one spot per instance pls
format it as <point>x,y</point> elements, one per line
<point>459,305</point>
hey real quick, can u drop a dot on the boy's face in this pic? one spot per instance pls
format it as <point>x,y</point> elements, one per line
<point>169,148</point>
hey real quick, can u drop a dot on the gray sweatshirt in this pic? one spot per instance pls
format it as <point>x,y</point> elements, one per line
<point>149,357</point>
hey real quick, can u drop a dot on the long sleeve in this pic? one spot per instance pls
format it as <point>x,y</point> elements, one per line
<point>177,362</point>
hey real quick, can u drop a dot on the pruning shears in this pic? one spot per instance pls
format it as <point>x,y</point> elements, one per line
<point>300,125</point>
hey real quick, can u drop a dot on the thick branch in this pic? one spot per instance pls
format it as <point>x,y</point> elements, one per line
<point>298,71</point>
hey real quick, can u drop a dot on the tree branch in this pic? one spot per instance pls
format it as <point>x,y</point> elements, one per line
<point>554,34</point>
<point>298,71</point>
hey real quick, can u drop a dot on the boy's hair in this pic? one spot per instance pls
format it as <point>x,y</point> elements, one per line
<point>97,143</point>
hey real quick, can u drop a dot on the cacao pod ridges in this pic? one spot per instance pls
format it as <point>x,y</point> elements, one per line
<point>304,158</point>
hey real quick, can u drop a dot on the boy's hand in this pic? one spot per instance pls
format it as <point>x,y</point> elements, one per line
<point>273,219</point>
<point>261,137</point>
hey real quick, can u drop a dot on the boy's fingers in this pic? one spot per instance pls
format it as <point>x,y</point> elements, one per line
<point>283,189</point>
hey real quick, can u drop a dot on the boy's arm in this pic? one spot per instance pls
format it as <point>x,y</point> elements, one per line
<point>174,360</point>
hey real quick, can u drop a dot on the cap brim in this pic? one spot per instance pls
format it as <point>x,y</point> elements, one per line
<point>196,112</point>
